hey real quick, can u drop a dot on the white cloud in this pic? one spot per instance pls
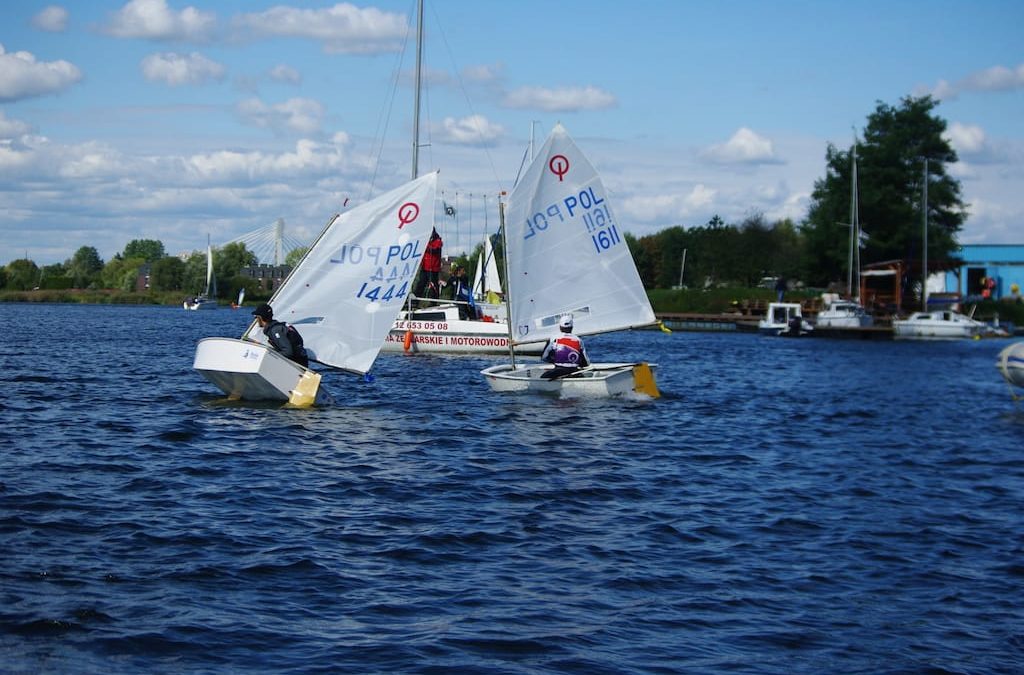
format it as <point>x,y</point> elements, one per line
<point>669,208</point>
<point>178,69</point>
<point>21,76</point>
<point>996,78</point>
<point>343,28</point>
<point>53,19</point>
<point>472,130</point>
<point>308,157</point>
<point>153,20</point>
<point>286,74</point>
<point>11,128</point>
<point>745,147</point>
<point>966,139</point>
<point>484,74</point>
<point>301,115</point>
<point>563,99</point>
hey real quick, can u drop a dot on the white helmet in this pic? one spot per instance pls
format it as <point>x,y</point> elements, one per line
<point>565,322</point>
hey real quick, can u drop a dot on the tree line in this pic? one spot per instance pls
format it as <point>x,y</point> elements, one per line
<point>891,160</point>
<point>87,270</point>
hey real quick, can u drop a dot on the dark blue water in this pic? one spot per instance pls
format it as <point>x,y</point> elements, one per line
<point>806,506</point>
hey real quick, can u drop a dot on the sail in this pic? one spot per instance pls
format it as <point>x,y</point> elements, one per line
<point>348,289</point>
<point>241,296</point>
<point>566,250</point>
<point>486,282</point>
<point>210,279</point>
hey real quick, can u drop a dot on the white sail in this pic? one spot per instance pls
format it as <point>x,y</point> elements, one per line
<point>486,279</point>
<point>209,268</point>
<point>344,295</point>
<point>566,250</point>
<point>241,296</point>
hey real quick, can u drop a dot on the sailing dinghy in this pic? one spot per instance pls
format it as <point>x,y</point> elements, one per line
<point>566,255</point>
<point>208,300</point>
<point>343,298</point>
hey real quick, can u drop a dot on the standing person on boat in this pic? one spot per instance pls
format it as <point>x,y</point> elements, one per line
<point>566,351</point>
<point>282,337</point>
<point>462,293</point>
<point>780,288</point>
<point>430,270</point>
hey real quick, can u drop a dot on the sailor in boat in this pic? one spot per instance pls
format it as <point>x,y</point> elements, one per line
<point>281,336</point>
<point>430,268</point>
<point>462,293</point>
<point>565,351</point>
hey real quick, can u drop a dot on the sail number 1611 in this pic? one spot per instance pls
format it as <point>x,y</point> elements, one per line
<point>606,238</point>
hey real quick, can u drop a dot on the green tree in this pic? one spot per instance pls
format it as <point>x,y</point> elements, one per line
<point>150,250</point>
<point>84,267</point>
<point>228,261</point>
<point>22,275</point>
<point>54,276</point>
<point>121,273</point>
<point>890,179</point>
<point>295,255</point>
<point>167,274</point>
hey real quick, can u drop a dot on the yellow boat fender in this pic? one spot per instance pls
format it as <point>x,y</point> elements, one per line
<point>407,345</point>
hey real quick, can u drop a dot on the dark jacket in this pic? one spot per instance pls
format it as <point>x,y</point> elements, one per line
<point>277,333</point>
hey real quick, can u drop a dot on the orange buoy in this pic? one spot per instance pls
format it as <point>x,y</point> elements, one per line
<point>408,340</point>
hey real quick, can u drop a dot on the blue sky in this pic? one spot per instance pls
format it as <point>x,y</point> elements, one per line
<point>169,120</point>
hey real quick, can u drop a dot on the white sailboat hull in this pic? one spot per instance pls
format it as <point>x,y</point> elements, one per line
<point>600,380</point>
<point>1011,364</point>
<point>843,314</point>
<point>252,372</point>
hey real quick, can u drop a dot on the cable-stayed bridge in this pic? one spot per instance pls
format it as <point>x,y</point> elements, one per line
<point>269,243</point>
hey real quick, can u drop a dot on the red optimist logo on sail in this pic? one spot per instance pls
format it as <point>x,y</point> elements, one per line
<point>559,165</point>
<point>407,213</point>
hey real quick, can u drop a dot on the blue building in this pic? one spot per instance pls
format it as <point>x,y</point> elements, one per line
<point>1001,263</point>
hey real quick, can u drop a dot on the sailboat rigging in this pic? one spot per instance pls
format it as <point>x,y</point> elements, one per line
<point>560,211</point>
<point>438,326</point>
<point>844,313</point>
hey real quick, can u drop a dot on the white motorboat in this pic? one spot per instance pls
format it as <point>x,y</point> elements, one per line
<point>343,297</point>
<point>784,319</point>
<point>938,325</point>
<point>1011,364</point>
<point>840,313</point>
<point>560,211</point>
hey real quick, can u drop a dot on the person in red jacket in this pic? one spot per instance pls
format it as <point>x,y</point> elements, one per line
<point>565,351</point>
<point>430,270</point>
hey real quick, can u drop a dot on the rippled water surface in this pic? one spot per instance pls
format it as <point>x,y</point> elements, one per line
<point>788,506</point>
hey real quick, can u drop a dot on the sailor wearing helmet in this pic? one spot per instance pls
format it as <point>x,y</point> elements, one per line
<point>565,351</point>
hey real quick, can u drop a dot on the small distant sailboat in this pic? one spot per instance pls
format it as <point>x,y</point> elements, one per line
<point>241,299</point>
<point>486,282</point>
<point>208,299</point>
<point>848,313</point>
<point>343,297</point>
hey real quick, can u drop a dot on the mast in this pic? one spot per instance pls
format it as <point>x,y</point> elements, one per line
<point>853,257</point>
<point>924,244</point>
<point>416,98</point>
